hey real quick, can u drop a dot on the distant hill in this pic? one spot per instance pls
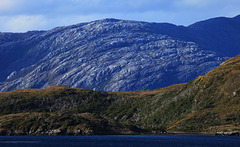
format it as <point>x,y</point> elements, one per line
<point>116,55</point>
<point>209,104</point>
<point>218,34</point>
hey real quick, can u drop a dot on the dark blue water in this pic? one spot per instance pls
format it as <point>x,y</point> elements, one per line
<point>119,141</point>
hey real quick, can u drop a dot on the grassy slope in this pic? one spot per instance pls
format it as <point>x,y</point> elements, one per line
<point>208,104</point>
<point>216,102</point>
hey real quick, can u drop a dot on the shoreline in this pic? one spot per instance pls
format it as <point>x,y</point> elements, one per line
<point>236,134</point>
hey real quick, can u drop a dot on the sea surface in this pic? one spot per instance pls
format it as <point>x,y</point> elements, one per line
<point>119,141</point>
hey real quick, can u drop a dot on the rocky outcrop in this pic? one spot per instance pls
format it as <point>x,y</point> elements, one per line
<point>227,134</point>
<point>209,104</point>
<point>109,55</point>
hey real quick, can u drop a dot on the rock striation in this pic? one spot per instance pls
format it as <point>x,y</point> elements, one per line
<point>114,55</point>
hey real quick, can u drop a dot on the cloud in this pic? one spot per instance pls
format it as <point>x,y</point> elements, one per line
<point>66,7</point>
<point>196,3</point>
<point>23,23</point>
<point>6,5</point>
<point>46,14</point>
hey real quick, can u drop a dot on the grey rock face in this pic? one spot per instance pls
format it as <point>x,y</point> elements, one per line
<point>109,55</point>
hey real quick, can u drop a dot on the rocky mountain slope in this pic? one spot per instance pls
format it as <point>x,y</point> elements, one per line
<point>208,104</point>
<point>116,55</point>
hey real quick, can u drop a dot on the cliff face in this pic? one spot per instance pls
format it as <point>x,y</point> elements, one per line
<point>116,55</point>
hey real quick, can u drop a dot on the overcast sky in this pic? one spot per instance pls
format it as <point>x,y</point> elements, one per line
<point>25,15</point>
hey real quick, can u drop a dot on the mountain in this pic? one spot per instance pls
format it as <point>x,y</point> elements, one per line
<point>116,55</point>
<point>217,33</point>
<point>209,104</point>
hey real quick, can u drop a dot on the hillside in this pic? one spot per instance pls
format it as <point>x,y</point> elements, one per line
<point>208,104</point>
<point>217,33</point>
<point>108,54</point>
<point>216,101</point>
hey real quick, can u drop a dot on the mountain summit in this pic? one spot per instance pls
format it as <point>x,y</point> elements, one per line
<point>116,55</point>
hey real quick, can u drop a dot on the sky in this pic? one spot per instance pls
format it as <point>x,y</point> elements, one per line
<point>27,15</point>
